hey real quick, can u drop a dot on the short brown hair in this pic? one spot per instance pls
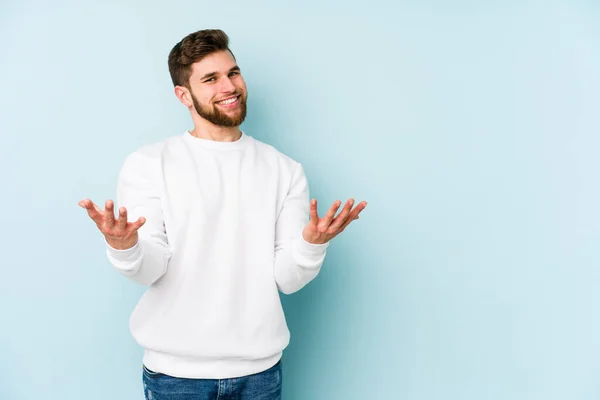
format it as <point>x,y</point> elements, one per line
<point>193,48</point>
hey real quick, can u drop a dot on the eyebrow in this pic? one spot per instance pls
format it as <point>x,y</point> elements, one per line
<point>211,74</point>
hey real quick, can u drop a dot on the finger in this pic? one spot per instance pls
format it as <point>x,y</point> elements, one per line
<point>326,221</point>
<point>341,218</point>
<point>122,221</point>
<point>109,214</point>
<point>88,204</point>
<point>359,208</point>
<point>354,214</point>
<point>314,216</point>
<point>93,211</point>
<point>138,224</point>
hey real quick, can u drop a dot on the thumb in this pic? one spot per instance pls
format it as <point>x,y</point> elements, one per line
<point>314,216</point>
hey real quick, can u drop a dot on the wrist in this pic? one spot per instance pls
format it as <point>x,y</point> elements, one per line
<point>121,244</point>
<point>313,239</point>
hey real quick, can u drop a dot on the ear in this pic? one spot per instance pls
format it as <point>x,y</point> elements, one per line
<point>184,96</point>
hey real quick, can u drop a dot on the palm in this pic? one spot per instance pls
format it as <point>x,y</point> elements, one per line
<point>119,233</point>
<point>322,230</point>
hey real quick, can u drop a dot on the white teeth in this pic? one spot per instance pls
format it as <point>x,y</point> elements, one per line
<point>229,101</point>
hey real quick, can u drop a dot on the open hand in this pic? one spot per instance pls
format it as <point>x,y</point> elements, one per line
<point>119,233</point>
<point>322,230</point>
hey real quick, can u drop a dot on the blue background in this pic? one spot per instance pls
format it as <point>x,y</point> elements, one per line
<point>471,128</point>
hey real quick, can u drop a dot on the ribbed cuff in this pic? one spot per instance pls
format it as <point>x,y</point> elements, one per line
<point>127,255</point>
<point>311,249</point>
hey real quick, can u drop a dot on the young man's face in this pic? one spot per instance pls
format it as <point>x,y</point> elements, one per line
<point>218,90</point>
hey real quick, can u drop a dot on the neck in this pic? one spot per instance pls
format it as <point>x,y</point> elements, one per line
<point>206,130</point>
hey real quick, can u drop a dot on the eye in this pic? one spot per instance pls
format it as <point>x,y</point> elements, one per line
<point>234,73</point>
<point>209,80</point>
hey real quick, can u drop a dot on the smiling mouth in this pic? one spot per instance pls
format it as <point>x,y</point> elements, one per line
<point>229,102</point>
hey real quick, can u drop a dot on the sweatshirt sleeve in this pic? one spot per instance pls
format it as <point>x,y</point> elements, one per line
<point>137,191</point>
<point>297,262</point>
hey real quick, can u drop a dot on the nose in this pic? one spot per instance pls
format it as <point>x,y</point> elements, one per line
<point>227,85</point>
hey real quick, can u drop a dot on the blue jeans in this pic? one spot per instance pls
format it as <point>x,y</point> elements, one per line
<point>264,385</point>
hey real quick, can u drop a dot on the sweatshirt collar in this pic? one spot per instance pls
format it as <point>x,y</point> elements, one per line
<point>215,145</point>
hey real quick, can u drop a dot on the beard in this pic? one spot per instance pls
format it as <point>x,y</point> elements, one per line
<point>212,114</point>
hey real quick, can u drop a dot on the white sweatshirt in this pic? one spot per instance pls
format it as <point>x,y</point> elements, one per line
<point>223,234</point>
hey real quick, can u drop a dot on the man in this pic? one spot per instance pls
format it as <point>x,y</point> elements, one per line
<point>215,223</point>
